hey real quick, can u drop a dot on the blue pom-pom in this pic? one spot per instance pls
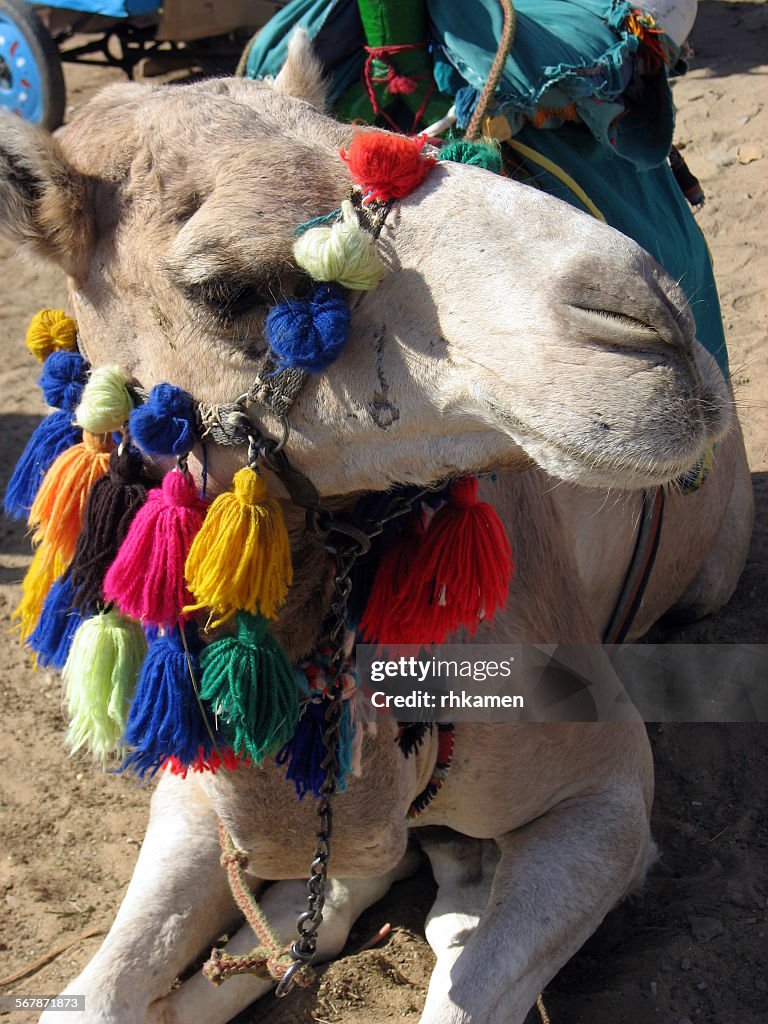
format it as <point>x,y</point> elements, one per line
<point>51,437</point>
<point>308,334</point>
<point>165,424</point>
<point>57,625</point>
<point>63,379</point>
<point>165,719</point>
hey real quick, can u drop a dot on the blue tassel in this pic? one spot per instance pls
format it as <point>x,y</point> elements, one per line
<point>165,719</point>
<point>63,379</point>
<point>57,625</point>
<point>51,437</point>
<point>309,334</point>
<point>165,424</point>
<point>304,752</point>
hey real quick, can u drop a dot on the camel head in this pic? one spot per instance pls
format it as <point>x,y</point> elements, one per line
<point>508,325</point>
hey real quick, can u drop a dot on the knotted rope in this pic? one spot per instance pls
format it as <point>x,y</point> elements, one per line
<point>272,958</point>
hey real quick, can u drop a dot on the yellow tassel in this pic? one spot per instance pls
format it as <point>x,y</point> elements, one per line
<point>241,558</point>
<point>57,511</point>
<point>46,566</point>
<point>49,330</point>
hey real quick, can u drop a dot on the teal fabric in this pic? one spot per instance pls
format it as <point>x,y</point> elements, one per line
<point>646,205</point>
<point>565,51</point>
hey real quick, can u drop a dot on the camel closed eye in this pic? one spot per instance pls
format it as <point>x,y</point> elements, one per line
<point>231,298</point>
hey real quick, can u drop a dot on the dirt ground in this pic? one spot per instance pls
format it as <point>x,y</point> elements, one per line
<point>691,949</point>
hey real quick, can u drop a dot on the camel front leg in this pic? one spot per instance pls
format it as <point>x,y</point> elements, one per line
<point>199,1002</point>
<point>556,879</point>
<point>178,901</point>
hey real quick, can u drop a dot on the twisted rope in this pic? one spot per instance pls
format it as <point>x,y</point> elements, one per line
<point>505,45</point>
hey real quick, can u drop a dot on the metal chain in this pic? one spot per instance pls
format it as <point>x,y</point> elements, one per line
<point>354,542</point>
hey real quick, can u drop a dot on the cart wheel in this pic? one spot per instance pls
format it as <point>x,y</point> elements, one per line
<point>31,79</point>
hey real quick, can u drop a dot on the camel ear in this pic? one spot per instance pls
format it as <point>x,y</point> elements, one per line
<point>42,197</point>
<point>302,74</point>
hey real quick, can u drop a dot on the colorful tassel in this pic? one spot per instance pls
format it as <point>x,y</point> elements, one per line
<point>106,403</point>
<point>477,154</point>
<point>304,753</point>
<point>51,437</point>
<point>381,621</point>
<point>309,334</point>
<point>166,719</point>
<point>46,566</point>
<point>387,166</point>
<point>459,577</point>
<point>146,579</point>
<point>59,621</point>
<point>248,681</point>
<point>49,330</point>
<point>63,379</point>
<point>57,511</point>
<point>99,679</point>
<point>241,558</point>
<point>225,758</point>
<point>343,253</point>
<point>112,503</point>
<point>165,424</point>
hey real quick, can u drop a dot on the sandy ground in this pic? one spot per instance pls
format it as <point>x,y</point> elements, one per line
<point>692,948</point>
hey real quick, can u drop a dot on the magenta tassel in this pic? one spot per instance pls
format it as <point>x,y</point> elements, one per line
<point>146,580</point>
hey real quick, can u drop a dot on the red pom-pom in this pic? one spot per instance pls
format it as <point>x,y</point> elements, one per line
<point>401,85</point>
<point>387,166</point>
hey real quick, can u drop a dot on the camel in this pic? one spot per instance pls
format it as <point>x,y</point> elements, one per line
<point>511,333</point>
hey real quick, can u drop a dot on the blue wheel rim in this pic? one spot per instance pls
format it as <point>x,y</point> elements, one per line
<point>21,84</point>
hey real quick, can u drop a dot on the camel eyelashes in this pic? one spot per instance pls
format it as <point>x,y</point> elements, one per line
<point>229,298</point>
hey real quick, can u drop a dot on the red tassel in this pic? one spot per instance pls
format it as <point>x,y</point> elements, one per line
<point>146,580</point>
<point>459,576</point>
<point>228,760</point>
<point>381,621</point>
<point>387,166</point>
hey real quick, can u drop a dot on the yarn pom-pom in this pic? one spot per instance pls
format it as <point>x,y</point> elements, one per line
<point>52,638</point>
<point>112,503</point>
<point>241,558</point>
<point>343,253</point>
<point>105,404</point>
<point>309,334</point>
<point>146,579</point>
<point>99,679</point>
<point>476,154</point>
<point>51,437</point>
<point>165,423</point>
<point>249,682</point>
<point>57,511</point>
<point>166,719</point>
<point>63,379</point>
<point>49,330</point>
<point>387,166</point>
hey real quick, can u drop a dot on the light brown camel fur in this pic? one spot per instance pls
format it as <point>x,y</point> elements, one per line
<point>511,333</point>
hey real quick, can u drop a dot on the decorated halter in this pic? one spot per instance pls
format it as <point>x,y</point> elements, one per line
<point>156,603</point>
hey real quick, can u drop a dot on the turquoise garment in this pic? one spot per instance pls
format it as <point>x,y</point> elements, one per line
<point>646,205</point>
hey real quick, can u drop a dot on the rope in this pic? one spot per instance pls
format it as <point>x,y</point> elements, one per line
<point>505,45</point>
<point>270,959</point>
<point>542,1010</point>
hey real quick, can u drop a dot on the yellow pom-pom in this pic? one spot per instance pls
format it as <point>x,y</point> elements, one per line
<point>241,558</point>
<point>49,330</point>
<point>46,566</point>
<point>105,404</point>
<point>344,253</point>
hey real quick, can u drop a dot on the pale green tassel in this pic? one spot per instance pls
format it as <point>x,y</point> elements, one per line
<point>106,404</point>
<point>343,253</point>
<point>99,679</point>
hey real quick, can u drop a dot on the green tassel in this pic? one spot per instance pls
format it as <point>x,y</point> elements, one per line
<point>250,684</point>
<point>99,679</point>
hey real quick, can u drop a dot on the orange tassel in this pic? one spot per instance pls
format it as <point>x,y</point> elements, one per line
<point>57,511</point>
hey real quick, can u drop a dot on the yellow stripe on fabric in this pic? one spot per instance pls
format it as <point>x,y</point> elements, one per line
<point>547,165</point>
